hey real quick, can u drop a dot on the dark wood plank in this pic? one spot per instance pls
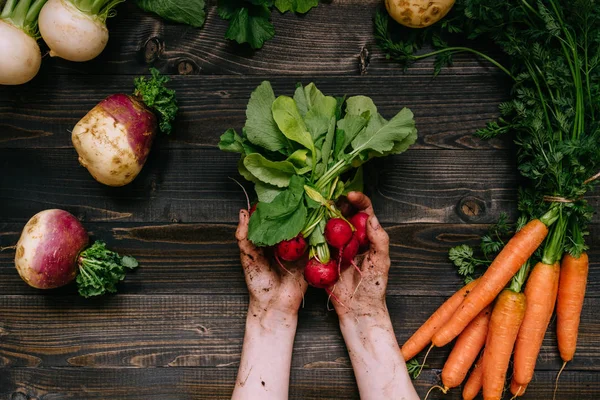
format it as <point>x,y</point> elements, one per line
<point>43,113</point>
<point>128,331</point>
<point>326,41</point>
<point>192,185</point>
<point>211,383</point>
<point>203,259</point>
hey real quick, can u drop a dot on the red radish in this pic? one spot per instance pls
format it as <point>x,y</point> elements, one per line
<point>359,221</point>
<point>349,252</point>
<point>52,251</point>
<point>114,139</point>
<point>321,275</point>
<point>291,250</point>
<point>338,232</point>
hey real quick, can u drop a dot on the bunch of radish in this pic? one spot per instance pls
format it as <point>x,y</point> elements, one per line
<point>53,250</point>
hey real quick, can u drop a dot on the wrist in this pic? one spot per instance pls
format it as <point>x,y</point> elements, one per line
<point>271,319</point>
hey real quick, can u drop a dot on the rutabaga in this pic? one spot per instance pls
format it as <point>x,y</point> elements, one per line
<point>114,139</point>
<point>76,29</point>
<point>20,56</point>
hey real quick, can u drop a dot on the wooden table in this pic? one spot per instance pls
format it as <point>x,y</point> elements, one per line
<point>175,329</point>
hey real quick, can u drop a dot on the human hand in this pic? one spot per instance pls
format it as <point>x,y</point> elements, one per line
<point>365,297</point>
<point>271,289</point>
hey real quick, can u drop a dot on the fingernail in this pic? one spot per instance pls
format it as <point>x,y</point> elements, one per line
<point>374,222</point>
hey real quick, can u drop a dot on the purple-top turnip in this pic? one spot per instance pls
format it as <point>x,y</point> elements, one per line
<point>114,139</point>
<point>76,29</point>
<point>20,56</point>
<point>53,250</point>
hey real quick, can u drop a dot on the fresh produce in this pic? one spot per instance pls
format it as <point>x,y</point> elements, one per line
<point>303,154</point>
<point>359,222</point>
<point>21,57</point>
<point>53,250</point>
<point>552,57</point>
<point>250,20</point>
<point>293,249</point>
<point>418,13</point>
<point>76,29</point>
<point>114,139</point>
<point>474,384</point>
<point>190,12</point>
<point>422,337</point>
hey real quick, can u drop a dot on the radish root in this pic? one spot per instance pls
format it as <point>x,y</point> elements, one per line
<point>245,192</point>
<point>332,295</point>
<point>8,248</point>
<point>442,389</point>
<point>292,275</point>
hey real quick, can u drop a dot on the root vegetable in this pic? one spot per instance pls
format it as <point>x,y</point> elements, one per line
<point>418,13</point>
<point>51,252</point>
<point>76,29</point>
<point>293,249</point>
<point>338,232</point>
<point>321,275</point>
<point>349,253</point>
<point>359,221</point>
<point>114,139</point>
<point>21,57</point>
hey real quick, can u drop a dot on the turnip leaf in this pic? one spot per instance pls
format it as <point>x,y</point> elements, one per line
<point>299,6</point>
<point>190,12</point>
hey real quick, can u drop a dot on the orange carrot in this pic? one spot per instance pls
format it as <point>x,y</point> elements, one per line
<point>520,247</point>
<point>475,381</point>
<point>504,326</point>
<point>517,389</point>
<point>540,294</point>
<point>571,291</point>
<point>465,351</point>
<point>422,337</point>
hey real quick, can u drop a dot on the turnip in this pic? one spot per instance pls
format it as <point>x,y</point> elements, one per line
<point>418,13</point>
<point>338,232</point>
<point>51,252</point>
<point>20,56</point>
<point>293,249</point>
<point>114,139</point>
<point>76,29</point>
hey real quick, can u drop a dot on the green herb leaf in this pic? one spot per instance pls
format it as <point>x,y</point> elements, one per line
<point>299,6</point>
<point>281,219</point>
<point>290,122</point>
<point>158,98</point>
<point>276,173</point>
<point>261,128</point>
<point>190,12</point>
<point>249,25</point>
<point>101,269</point>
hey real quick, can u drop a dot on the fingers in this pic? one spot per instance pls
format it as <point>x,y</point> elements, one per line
<point>251,256</point>
<point>361,202</point>
<point>380,241</point>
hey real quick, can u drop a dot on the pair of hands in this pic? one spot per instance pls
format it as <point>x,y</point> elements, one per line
<point>272,289</point>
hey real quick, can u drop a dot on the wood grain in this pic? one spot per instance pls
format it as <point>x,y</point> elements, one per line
<point>204,259</point>
<point>326,41</point>
<point>128,331</point>
<point>41,114</point>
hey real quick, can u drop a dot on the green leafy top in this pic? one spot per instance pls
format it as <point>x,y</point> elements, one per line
<point>190,12</point>
<point>157,97</point>
<point>99,9</point>
<point>249,20</point>
<point>23,15</point>
<point>300,152</point>
<point>552,55</point>
<point>101,269</point>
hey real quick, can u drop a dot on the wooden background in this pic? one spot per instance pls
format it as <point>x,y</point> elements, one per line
<point>175,329</point>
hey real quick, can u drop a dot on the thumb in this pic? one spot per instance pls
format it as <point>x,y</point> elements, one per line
<point>380,241</point>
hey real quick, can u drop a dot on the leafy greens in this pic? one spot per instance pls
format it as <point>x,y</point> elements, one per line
<point>299,152</point>
<point>190,12</point>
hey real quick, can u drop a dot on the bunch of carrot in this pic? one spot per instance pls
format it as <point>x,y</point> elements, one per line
<point>506,311</point>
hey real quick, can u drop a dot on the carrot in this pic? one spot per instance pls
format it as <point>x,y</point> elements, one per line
<point>422,337</point>
<point>504,326</point>
<point>571,291</point>
<point>540,294</point>
<point>517,389</point>
<point>475,381</point>
<point>519,248</point>
<point>466,349</point>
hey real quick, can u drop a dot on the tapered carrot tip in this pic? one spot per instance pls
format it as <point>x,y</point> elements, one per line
<point>517,389</point>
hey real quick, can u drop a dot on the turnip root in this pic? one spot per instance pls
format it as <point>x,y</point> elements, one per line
<point>114,139</point>
<point>51,252</point>
<point>20,56</point>
<point>418,13</point>
<point>76,29</point>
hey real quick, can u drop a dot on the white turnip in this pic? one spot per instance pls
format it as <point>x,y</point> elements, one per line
<point>76,29</point>
<point>51,252</point>
<point>418,13</point>
<point>114,139</point>
<point>20,56</point>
